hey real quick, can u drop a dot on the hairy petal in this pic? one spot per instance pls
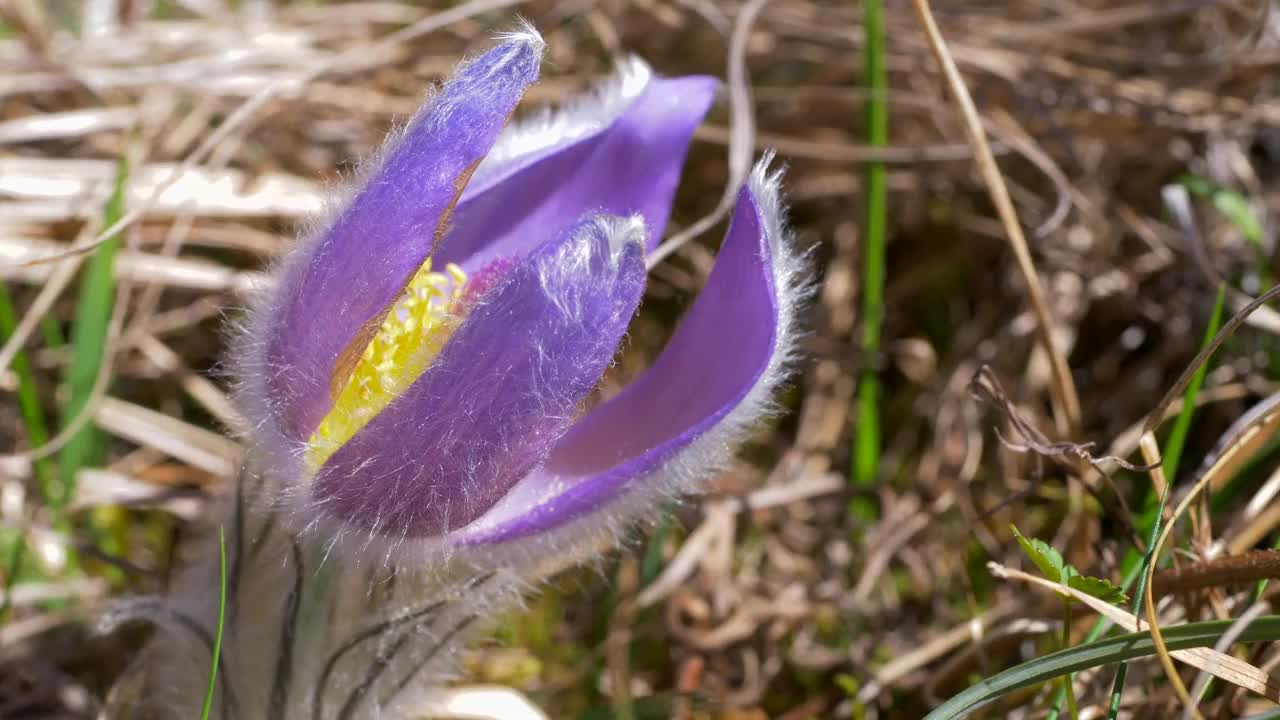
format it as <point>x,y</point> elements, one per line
<point>618,151</point>
<point>333,293</point>
<point>666,431</point>
<point>500,394</point>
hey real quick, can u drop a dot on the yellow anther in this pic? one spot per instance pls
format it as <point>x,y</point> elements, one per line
<point>410,337</point>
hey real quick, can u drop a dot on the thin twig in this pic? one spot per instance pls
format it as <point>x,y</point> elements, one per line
<point>741,135</point>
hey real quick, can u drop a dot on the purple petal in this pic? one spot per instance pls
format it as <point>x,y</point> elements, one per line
<point>618,153</point>
<point>500,394</point>
<point>333,296</point>
<point>668,429</point>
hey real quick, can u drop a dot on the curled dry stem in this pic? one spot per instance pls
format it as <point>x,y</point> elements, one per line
<point>1151,453</point>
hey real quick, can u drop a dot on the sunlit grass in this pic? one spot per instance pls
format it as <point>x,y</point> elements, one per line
<point>866,441</point>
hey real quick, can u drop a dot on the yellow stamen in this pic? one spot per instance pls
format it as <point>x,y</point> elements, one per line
<point>411,335</point>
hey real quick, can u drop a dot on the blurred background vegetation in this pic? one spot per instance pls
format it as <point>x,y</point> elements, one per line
<point>840,568</point>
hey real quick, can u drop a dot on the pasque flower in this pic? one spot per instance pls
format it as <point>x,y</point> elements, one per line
<point>419,377</point>
<point>420,369</point>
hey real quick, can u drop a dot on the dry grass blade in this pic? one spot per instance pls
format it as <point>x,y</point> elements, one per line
<point>1249,566</point>
<point>1066,399</point>
<point>233,123</point>
<point>53,285</point>
<point>1245,436</point>
<point>75,123</point>
<point>1151,453</point>
<point>183,273</point>
<point>198,447</point>
<point>51,189</point>
<point>1229,638</point>
<point>106,488</point>
<point>1214,662</point>
<point>1258,527</point>
<point>974,631</point>
<point>1228,329</point>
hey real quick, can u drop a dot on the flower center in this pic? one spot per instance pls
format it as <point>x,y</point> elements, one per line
<point>412,334</point>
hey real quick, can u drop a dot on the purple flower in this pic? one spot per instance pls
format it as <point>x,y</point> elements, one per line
<point>418,374</point>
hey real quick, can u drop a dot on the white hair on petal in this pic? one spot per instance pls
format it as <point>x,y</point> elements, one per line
<point>690,468</point>
<point>621,231</point>
<point>553,127</point>
<point>524,32</point>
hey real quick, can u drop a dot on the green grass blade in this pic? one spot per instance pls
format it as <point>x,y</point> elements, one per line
<point>33,421</point>
<point>222,612</point>
<point>12,566</point>
<point>1068,681</point>
<point>1096,654</point>
<point>1236,209</point>
<point>1177,439</point>
<point>88,343</point>
<point>866,443</point>
<point>1172,453</point>
<point>51,333</point>
<point>651,563</point>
